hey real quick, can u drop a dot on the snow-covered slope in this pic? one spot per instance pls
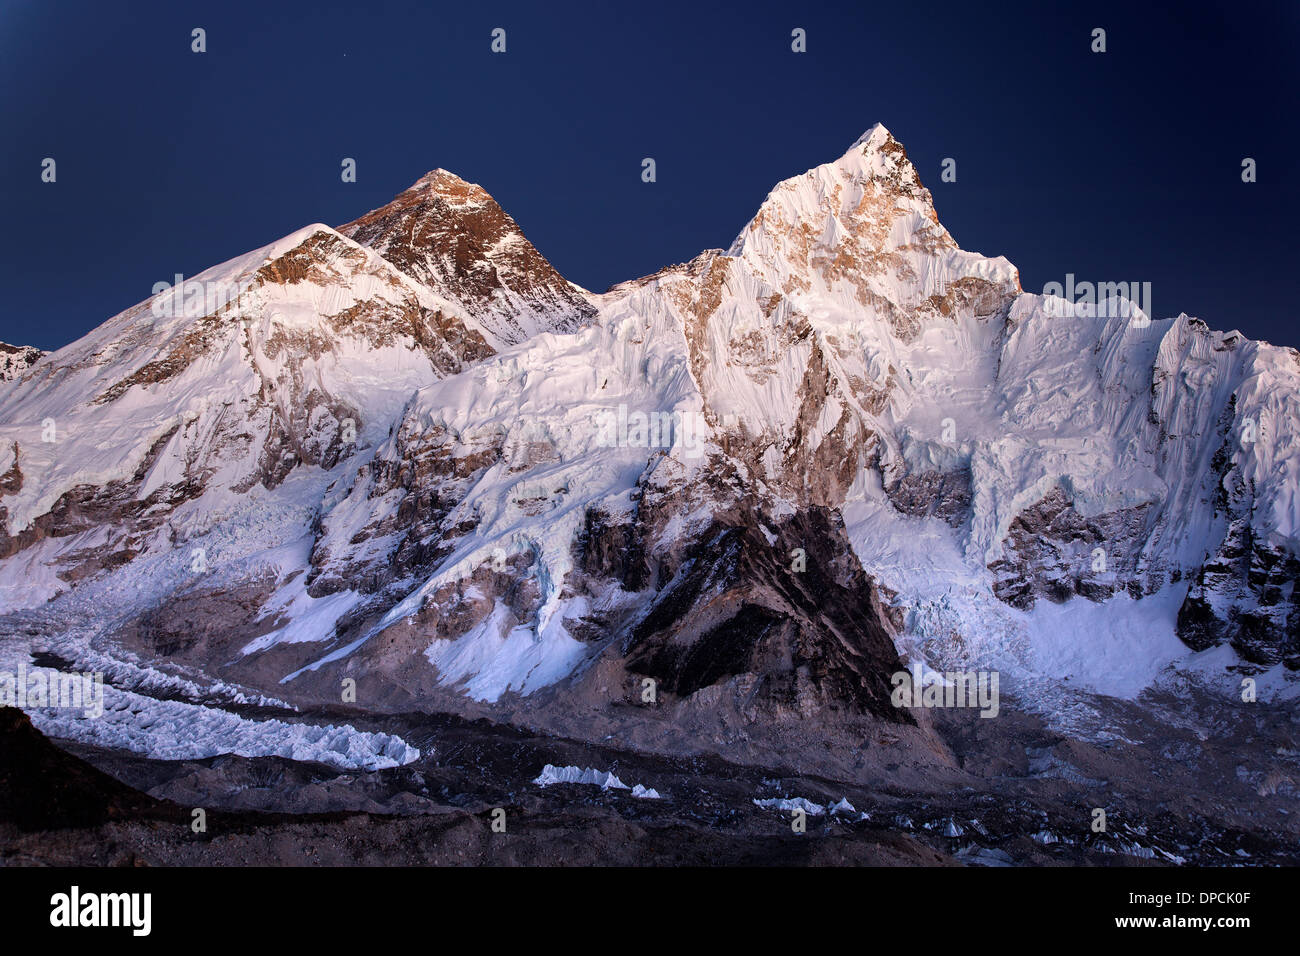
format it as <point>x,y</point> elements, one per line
<point>296,354</point>
<point>424,460</point>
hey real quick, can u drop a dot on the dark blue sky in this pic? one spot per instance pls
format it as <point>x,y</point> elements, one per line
<point>1123,166</point>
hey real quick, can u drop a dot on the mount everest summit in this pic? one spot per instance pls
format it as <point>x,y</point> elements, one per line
<point>713,508</point>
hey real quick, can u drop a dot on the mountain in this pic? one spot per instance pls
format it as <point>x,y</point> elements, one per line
<point>452,237</point>
<point>288,356</point>
<point>739,493</point>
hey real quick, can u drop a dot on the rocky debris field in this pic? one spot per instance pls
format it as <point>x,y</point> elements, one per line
<point>1013,793</point>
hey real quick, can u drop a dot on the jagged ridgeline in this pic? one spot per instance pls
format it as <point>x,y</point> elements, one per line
<point>408,453</point>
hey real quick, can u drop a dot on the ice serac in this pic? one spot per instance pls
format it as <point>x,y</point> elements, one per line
<point>454,238</point>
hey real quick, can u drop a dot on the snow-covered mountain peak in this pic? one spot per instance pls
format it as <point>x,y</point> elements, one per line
<point>457,192</point>
<point>451,236</point>
<point>877,155</point>
<point>861,233</point>
<point>873,138</point>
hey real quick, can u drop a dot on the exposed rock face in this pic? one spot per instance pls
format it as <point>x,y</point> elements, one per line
<point>795,615</point>
<point>452,237</point>
<point>43,788</point>
<point>16,359</point>
<point>1053,551</point>
<point>934,494</point>
<point>1245,594</point>
<point>404,497</point>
